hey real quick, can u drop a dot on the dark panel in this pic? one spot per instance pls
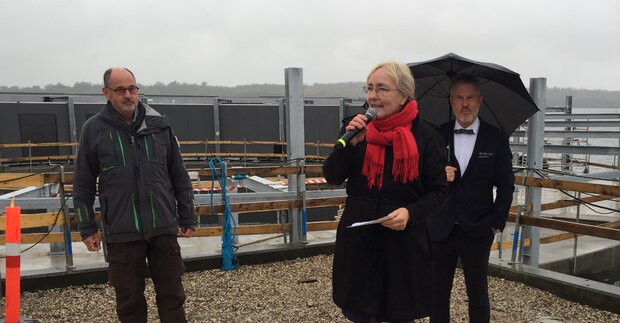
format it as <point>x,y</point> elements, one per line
<point>11,131</point>
<point>38,128</point>
<point>189,122</point>
<point>238,121</point>
<point>249,122</point>
<point>83,112</point>
<point>321,126</point>
<point>352,110</point>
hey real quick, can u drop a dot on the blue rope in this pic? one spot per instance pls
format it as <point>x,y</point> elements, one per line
<point>229,259</point>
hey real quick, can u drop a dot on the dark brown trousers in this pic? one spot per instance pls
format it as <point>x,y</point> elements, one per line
<point>126,273</point>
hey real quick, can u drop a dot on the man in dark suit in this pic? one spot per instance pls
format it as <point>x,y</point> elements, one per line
<point>480,159</point>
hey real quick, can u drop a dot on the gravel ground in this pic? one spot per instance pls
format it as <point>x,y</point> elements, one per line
<point>290,291</point>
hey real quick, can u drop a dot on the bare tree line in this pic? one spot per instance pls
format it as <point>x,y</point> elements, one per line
<point>583,98</point>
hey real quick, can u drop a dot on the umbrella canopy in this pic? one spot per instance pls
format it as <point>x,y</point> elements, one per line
<point>506,105</point>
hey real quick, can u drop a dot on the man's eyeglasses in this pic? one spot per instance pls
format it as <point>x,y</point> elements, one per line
<point>381,91</point>
<point>122,90</point>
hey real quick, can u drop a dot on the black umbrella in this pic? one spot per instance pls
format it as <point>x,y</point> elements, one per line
<point>506,105</point>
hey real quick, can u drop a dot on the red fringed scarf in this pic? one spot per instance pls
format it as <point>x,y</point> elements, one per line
<point>394,132</point>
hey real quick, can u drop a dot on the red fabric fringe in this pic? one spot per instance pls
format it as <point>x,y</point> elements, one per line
<point>394,132</point>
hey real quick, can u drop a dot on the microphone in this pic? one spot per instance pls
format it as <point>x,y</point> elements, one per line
<point>371,114</point>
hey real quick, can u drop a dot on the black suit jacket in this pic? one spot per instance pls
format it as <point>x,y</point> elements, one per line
<point>470,198</point>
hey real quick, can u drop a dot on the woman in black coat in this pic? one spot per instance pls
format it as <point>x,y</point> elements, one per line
<point>394,168</point>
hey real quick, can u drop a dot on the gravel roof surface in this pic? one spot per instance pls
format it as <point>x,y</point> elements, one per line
<point>290,291</point>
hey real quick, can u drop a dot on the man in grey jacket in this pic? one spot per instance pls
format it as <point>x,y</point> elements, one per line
<point>143,186</point>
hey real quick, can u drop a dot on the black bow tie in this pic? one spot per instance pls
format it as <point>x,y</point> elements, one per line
<point>463,131</point>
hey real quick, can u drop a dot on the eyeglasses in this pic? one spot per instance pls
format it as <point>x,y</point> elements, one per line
<point>122,90</point>
<point>380,91</point>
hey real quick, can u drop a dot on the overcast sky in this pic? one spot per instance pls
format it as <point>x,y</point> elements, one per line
<point>231,42</point>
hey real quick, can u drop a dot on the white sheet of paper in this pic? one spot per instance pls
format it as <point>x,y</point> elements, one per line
<point>359,224</point>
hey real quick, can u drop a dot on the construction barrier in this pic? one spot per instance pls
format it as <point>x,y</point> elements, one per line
<point>13,236</point>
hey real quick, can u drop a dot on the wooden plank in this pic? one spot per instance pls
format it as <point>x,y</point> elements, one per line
<point>272,171</point>
<point>41,144</point>
<point>37,158</point>
<point>332,225</point>
<point>206,185</point>
<point>567,203</point>
<point>35,220</point>
<point>257,155</point>
<point>231,142</point>
<point>249,207</point>
<point>607,191</point>
<point>508,244</point>
<point>200,232</point>
<point>557,238</point>
<point>265,171</point>
<point>613,224</point>
<point>28,238</point>
<point>266,229</point>
<point>578,228</point>
<point>271,205</point>
<point>248,142</point>
<point>322,225</point>
<point>324,202</point>
<point>575,161</point>
<point>55,177</point>
<point>568,235</point>
<point>568,185</point>
<point>317,170</point>
<point>182,142</point>
<point>20,180</point>
<point>242,230</point>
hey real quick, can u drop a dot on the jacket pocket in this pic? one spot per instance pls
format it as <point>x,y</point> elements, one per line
<point>120,214</point>
<point>156,146</point>
<point>111,151</point>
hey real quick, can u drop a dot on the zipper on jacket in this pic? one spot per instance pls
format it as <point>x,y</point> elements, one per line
<point>153,211</point>
<point>86,213</point>
<point>79,215</point>
<point>135,212</point>
<point>146,145</point>
<point>155,152</point>
<point>120,144</point>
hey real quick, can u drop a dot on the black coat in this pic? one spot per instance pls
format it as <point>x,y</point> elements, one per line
<point>379,271</point>
<point>143,183</point>
<point>470,201</point>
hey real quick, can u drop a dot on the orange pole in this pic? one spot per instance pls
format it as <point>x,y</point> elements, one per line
<point>13,237</point>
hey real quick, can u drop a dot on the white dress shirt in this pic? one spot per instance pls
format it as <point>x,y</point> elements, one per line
<point>464,144</point>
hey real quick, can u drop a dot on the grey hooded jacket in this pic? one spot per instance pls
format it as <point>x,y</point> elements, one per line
<point>143,183</point>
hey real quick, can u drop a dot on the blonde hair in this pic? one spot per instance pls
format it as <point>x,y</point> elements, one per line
<point>400,74</point>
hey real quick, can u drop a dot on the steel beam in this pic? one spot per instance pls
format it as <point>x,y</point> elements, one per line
<point>296,149</point>
<point>216,123</point>
<point>533,195</point>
